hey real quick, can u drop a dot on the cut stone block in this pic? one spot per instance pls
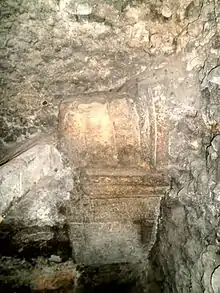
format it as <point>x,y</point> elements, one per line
<point>101,130</point>
<point>106,243</point>
<point>114,210</point>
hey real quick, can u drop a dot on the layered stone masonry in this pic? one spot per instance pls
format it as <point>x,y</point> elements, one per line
<point>113,218</point>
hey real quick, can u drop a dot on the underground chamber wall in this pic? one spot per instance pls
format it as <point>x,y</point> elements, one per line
<point>163,57</point>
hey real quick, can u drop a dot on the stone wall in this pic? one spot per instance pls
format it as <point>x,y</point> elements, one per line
<point>187,250</point>
<point>49,52</point>
<point>188,243</point>
<point>169,50</point>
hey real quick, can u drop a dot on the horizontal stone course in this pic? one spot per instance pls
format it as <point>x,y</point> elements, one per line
<point>115,209</point>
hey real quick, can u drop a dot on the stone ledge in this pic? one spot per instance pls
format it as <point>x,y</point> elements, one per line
<point>102,190</point>
<point>127,175</point>
<point>122,183</point>
<point>124,210</point>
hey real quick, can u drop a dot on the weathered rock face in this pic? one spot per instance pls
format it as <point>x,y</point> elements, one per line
<point>35,187</point>
<point>48,53</point>
<point>155,66</point>
<point>190,227</point>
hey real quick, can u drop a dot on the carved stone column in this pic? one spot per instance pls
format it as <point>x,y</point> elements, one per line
<point>116,150</point>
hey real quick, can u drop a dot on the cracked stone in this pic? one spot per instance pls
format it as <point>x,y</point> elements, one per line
<point>216,280</point>
<point>214,76</point>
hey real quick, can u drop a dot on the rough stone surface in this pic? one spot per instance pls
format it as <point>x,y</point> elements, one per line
<point>32,181</point>
<point>53,50</point>
<point>35,189</point>
<point>190,227</point>
<point>38,276</point>
<point>109,278</point>
<point>48,55</point>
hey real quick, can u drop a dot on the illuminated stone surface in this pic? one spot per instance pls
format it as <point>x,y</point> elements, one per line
<point>114,214</point>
